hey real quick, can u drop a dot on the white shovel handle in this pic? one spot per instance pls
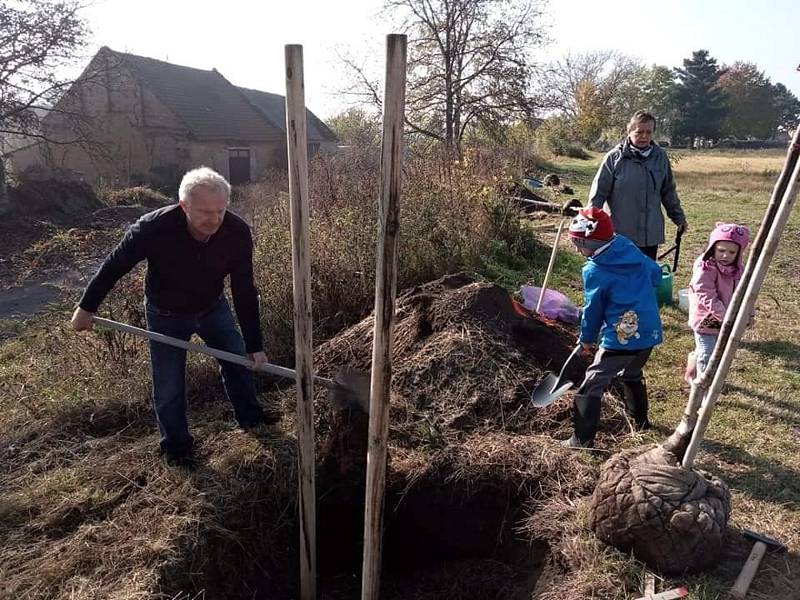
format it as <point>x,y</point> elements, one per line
<point>202,349</point>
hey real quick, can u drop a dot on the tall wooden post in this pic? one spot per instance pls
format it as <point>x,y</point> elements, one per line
<point>297,146</point>
<point>385,289</point>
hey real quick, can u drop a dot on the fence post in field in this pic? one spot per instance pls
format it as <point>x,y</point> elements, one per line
<point>297,148</point>
<point>385,289</point>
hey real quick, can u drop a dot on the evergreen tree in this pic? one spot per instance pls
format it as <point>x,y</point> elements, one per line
<point>751,109</point>
<point>658,91</point>
<point>787,107</point>
<point>700,101</point>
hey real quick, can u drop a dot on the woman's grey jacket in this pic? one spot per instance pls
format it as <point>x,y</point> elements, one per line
<point>634,187</point>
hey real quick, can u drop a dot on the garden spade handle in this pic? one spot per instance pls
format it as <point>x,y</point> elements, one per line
<point>550,267</point>
<point>202,349</point>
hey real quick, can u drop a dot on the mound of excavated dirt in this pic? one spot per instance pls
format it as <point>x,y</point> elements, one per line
<point>138,196</point>
<point>469,458</point>
<point>466,356</point>
<point>54,199</point>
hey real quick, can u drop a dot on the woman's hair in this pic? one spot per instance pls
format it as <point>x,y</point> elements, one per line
<point>641,116</point>
<point>203,177</point>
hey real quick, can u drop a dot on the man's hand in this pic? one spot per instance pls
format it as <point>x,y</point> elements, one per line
<point>683,227</point>
<point>258,358</point>
<point>588,348</point>
<point>82,320</point>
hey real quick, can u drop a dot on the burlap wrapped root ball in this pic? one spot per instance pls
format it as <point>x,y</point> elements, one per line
<point>672,519</point>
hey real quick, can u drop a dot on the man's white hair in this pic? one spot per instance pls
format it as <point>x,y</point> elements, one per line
<point>203,177</point>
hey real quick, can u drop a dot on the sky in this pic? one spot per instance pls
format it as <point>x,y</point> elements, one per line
<point>244,40</point>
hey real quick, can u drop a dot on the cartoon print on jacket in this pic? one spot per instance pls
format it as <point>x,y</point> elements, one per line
<point>627,326</point>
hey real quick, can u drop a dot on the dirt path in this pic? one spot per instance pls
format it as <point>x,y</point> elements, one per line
<point>36,294</point>
<point>42,263</point>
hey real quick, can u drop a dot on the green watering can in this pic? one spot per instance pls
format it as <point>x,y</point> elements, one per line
<point>664,288</point>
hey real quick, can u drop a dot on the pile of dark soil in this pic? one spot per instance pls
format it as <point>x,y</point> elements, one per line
<point>466,358</point>
<point>66,201</point>
<point>469,458</point>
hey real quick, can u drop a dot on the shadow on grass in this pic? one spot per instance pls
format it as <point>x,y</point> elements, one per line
<point>772,408</point>
<point>787,352</point>
<point>757,477</point>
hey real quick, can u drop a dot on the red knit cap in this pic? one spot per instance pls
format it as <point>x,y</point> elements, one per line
<point>591,224</point>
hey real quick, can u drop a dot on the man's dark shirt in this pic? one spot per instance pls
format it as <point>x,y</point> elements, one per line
<point>185,276</point>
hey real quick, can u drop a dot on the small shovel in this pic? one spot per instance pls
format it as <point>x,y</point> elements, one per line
<point>551,388</point>
<point>348,388</point>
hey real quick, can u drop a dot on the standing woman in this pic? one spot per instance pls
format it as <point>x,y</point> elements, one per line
<point>634,180</point>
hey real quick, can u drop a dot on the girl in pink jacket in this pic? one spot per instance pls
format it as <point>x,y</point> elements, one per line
<point>715,275</point>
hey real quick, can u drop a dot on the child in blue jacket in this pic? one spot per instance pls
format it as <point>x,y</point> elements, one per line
<point>620,316</point>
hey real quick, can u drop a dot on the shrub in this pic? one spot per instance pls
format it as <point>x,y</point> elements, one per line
<point>556,136</point>
<point>575,151</point>
<point>136,196</point>
<point>453,212</point>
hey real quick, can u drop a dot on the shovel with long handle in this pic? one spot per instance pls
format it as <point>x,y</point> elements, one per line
<point>349,389</point>
<point>550,266</point>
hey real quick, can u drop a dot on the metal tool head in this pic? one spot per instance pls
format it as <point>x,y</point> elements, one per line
<point>350,390</point>
<point>552,387</point>
<point>549,389</point>
<point>773,545</point>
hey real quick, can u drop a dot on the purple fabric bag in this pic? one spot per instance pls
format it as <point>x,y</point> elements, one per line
<point>555,306</point>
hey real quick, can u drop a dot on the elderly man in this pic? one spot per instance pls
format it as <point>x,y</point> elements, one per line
<point>634,181</point>
<point>190,248</point>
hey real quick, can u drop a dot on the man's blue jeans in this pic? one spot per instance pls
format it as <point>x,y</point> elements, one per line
<point>168,363</point>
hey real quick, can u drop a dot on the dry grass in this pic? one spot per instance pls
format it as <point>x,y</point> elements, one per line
<point>452,219</point>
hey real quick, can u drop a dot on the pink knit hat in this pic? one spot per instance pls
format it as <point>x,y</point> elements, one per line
<point>729,232</point>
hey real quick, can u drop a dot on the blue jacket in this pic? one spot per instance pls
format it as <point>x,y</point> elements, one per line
<point>621,310</point>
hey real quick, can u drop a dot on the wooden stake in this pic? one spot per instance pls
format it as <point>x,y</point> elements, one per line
<point>296,141</point>
<point>743,316</point>
<point>385,289</point>
<point>550,266</point>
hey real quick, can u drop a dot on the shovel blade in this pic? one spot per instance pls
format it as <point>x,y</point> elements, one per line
<point>549,390</point>
<point>350,390</point>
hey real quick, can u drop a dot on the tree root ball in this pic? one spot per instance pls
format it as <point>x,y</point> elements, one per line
<point>672,519</point>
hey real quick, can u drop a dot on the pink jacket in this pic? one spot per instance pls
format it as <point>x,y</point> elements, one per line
<point>712,285</point>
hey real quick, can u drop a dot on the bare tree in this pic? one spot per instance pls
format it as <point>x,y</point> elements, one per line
<point>469,63</point>
<point>38,39</point>
<point>593,90</point>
